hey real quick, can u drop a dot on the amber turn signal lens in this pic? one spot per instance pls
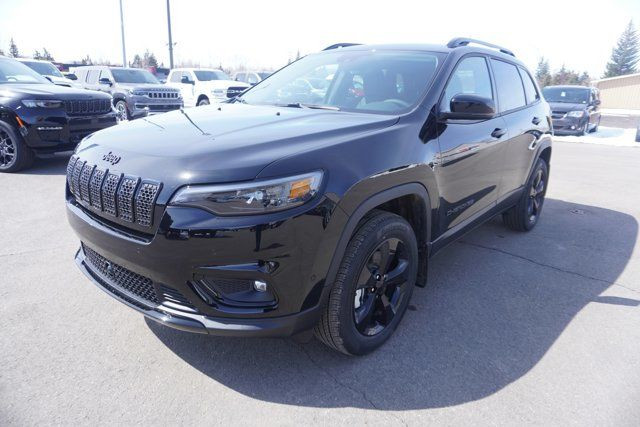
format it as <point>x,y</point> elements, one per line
<point>300,188</point>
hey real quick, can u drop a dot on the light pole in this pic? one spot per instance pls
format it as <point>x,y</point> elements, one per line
<point>124,52</point>
<point>170,40</point>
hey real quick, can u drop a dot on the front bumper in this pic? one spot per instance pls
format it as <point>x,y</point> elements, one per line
<point>191,245</point>
<point>567,125</point>
<point>142,106</point>
<point>59,132</point>
<point>195,322</point>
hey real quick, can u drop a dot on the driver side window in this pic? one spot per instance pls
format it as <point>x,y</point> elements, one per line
<point>470,77</point>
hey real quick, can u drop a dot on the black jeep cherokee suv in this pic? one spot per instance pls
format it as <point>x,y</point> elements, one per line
<point>287,210</point>
<point>38,117</point>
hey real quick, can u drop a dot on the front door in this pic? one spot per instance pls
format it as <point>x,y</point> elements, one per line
<point>471,151</point>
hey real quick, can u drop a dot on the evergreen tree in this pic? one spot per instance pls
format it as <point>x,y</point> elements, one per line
<point>87,60</point>
<point>37,55</point>
<point>137,61</point>
<point>46,55</point>
<point>2,52</point>
<point>149,60</point>
<point>625,55</point>
<point>543,74</point>
<point>13,49</point>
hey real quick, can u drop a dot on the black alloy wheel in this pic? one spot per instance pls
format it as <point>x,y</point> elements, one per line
<point>7,150</point>
<point>381,287</point>
<point>373,285</point>
<point>536,195</point>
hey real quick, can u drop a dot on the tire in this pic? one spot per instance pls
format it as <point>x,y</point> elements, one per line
<point>202,101</point>
<point>122,110</point>
<point>525,215</point>
<point>14,153</point>
<point>358,319</point>
<point>584,129</point>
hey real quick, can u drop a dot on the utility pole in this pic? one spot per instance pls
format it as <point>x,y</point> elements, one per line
<point>124,52</point>
<point>170,40</point>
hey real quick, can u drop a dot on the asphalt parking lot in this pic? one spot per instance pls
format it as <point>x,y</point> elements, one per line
<point>540,328</point>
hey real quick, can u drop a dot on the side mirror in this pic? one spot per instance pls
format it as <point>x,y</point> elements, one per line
<point>597,102</point>
<point>470,107</point>
<point>48,78</point>
<point>105,81</point>
<point>71,76</point>
<point>186,81</point>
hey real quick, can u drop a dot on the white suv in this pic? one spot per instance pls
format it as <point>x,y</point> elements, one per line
<point>202,86</point>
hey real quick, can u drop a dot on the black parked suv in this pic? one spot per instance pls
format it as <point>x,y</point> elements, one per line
<point>38,117</point>
<point>281,211</point>
<point>575,110</point>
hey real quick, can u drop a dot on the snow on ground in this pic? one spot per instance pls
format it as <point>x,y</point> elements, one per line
<point>619,112</point>
<point>605,136</point>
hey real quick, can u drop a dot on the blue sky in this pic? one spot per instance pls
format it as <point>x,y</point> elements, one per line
<point>258,34</point>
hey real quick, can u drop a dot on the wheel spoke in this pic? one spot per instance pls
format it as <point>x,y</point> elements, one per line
<point>364,313</point>
<point>398,275</point>
<point>540,187</point>
<point>366,279</point>
<point>385,258</point>
<point>388,310</point>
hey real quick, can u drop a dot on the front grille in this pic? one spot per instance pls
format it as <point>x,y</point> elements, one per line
<point>126,197</point>
<point>163,95</point>
<point>125,279</point>
<point>87,106</point>
<point>235,91</point>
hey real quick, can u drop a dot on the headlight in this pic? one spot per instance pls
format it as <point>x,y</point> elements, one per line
<point>252,197</point>
<point>575,113</point>
<point>31,103</point>
<point>139,92</point>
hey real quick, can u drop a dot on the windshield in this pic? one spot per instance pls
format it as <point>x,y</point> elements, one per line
<point>363,81</point>
<point>44,68</point>
<point>128,75</point>
<point>207,75</point>
<point>14,72</point>
<point>264,75</point>
<point>571,95</point>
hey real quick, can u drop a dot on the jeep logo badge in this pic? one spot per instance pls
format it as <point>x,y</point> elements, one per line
<point>109,269</point>
<point>111,158</point>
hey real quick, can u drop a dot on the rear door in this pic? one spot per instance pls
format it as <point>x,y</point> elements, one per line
<point>520,104</point>
<point>471,151</point>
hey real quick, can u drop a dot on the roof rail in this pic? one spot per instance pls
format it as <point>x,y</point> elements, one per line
<point>464,41</point>
<point>339,45</point>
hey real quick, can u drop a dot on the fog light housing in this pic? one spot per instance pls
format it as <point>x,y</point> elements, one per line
<point>260,286</point>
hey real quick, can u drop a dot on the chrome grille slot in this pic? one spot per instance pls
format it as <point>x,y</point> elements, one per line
<point>70,168</point>
<point>95,188</point>
<point>109,189</point>
<point>87,106</point>
<point>145,203</point>
<point>125,198</point>
<point>85,177</point>
<point>77,170</point>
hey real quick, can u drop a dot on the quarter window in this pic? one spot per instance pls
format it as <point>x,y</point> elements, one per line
<point>470,77</point>
<point>509,84</point>
<point>529,87</point>
<point>176,77</point>
<point>92,76</point>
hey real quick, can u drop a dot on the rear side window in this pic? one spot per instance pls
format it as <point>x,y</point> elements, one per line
<point>509,84</point>
<point>176,76</point>
<point>470,77</point>
<point>92,76</point>
<point>529,87</point>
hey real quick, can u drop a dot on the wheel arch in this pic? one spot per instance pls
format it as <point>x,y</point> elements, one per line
<point>410,201</point>
<point>201,97</point>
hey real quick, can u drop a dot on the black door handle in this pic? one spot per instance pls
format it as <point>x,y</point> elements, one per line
<point>497,132</point>
<point>535,121</point>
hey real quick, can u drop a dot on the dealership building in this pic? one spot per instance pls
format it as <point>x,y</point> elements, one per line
<point>622,92</point>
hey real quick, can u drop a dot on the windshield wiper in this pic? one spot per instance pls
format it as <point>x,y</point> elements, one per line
<point>312,106</point>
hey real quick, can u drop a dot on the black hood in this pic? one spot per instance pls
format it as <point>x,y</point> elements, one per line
<point>224,143</point>
<point>564,107</point>
<point>48,91</point>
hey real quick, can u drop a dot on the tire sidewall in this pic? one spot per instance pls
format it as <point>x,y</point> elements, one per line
<point>353,340</point>
<point>540,164</point>
<point>20,148</point>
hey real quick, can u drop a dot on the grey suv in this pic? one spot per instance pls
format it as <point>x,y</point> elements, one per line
<point>136,92</point>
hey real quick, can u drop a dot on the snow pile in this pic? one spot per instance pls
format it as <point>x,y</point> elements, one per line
<point>605,136</point>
